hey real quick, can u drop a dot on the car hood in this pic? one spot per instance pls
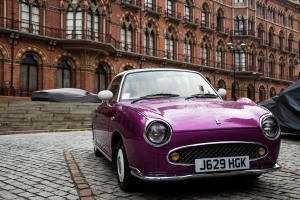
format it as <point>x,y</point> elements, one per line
<point>201,114</point>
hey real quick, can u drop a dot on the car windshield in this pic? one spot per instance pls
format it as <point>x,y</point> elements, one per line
<point>169,84</point>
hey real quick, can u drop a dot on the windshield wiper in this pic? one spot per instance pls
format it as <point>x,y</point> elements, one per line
<point>154,96</point>
<point>202,96</point>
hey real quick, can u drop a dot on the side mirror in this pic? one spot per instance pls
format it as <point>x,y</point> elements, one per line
<point>105,95</point>
<point>222,92</point>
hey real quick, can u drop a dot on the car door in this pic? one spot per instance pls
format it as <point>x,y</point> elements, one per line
<point>103,116</point>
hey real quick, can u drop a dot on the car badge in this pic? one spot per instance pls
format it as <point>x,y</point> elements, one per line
<point>218,122</point>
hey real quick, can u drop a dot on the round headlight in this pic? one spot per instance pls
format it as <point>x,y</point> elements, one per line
<point>158,133</point>
<point>270,127</point>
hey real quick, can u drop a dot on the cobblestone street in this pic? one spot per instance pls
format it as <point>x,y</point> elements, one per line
<point>33,166</point>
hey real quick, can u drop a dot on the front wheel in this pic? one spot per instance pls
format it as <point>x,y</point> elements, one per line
<point>125,179</point>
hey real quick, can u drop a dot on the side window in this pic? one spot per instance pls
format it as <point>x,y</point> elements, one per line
<point>115,88</point>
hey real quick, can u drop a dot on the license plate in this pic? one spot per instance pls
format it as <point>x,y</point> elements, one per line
<point>222,164</point>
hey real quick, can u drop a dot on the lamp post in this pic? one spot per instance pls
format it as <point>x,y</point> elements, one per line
<point>232,50</point>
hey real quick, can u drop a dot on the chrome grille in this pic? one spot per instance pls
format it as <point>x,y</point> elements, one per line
<point>187,155</point>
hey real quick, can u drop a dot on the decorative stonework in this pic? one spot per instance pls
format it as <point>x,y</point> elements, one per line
<point>24,50</point>
<point>65,54</point>
<point>4,52</point>
<point>127,64</point>
<point>106,62</point>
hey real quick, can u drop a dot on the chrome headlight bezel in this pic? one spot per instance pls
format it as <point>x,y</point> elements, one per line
<point>166,138</point>
<point>263,120</point>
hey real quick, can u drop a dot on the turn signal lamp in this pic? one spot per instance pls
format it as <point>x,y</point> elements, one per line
<point>174,156</point>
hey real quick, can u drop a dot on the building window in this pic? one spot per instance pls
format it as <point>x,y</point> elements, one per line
<point>169,44</point>
<point>169,11</point>
<point>63,76</point>
<point>239,59</point>
<point>271,37</point>
<point>260,10</point>
<point>126,35</point>
<point>290,43</point>
<point>29,74</point>
<point>30,17</point>
<point>187,11</point>
<point>149,4</point>
<point>74,23</point>
<point>290,22</point>
<point>149,39</point>
<point>281,40</point>
<point>239,26</point>
<point>187,48</point>
<point>220,55</point>
<point>204,52</point>
<point>204,16</point>
<point>220,21</point>
<point>93,25</point>
<point>281,18</point>
<point>272,92</point>
<point>100,79</point>
<point>281,68</point>
<point>271,14</point>
<point>260,62</point>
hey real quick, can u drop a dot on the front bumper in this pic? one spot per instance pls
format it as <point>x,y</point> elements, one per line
<point>135,172</point>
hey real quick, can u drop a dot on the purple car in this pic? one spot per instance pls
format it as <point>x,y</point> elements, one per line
<point>169,124</point>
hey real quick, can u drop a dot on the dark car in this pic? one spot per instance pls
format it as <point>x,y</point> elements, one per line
<point>65,95</point>
<point>168,125</point>
<point>286,108</point>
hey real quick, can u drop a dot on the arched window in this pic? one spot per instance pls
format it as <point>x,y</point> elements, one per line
<point>251,92</point>
<point>239,26</point>
<point>63,76</point>
<point>149,39</point>
<point>272,92</point>
<point>251,58</point>
<point>126,35</point>
<point>204,51</point>
<point>204,16</point>
<point>220,63</point>
<point>262,93</point>
<point>169,44</point>
<point>29,74</point>
<point>271,37</point>
<point>239,59</point>
<point>100,79</point>
<point>291,71</point>
<point>74,23</point>
<point>30,17</point>
<point>260,32</point>
<point>291,43</point>
<point>281,68</point>
<point>187,16</point>
<point>187,48</point>
<point>220,21</point>
<point>281,40</point>
<point>169,10</point>
<point>271,66</point>
<point>260,62</point>
<point>93,24</point>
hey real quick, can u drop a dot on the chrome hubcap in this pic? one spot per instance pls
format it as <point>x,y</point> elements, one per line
<point>120,165</point>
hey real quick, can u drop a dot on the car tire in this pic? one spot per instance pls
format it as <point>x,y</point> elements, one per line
<point>125,179</point>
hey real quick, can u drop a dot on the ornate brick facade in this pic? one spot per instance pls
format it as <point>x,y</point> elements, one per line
<point>83,43</point>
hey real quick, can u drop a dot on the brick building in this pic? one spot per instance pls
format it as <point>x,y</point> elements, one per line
<point>83,43</point>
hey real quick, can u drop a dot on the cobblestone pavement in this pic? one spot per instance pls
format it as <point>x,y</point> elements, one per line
<point>34,167</point>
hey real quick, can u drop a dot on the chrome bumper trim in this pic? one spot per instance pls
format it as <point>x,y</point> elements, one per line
<point>135,172</point>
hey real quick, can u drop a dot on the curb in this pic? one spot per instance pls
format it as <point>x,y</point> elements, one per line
<point>83,188</point>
